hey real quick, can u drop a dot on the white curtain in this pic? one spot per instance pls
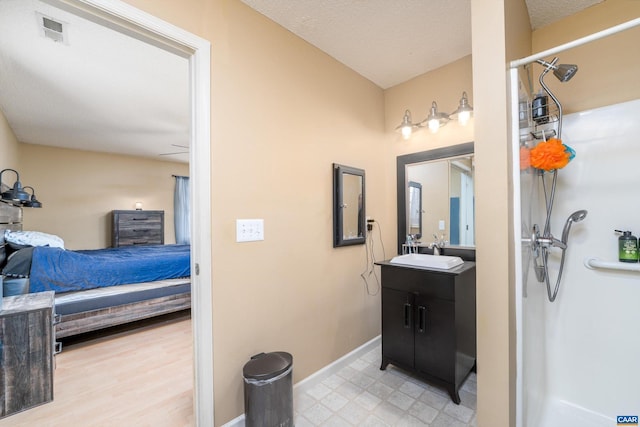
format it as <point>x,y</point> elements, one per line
<point>182,210</point>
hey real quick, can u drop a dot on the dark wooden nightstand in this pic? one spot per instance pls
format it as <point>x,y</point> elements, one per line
<point>26,352</point>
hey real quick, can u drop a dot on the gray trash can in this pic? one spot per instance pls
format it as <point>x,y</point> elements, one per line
<point>268,390</point>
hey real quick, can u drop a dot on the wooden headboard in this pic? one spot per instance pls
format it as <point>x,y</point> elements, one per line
<point>10,219</point>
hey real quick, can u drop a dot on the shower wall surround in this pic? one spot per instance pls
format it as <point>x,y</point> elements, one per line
<point>579,354</point>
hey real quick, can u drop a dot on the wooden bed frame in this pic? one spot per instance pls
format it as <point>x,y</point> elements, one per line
<point>87,321</point>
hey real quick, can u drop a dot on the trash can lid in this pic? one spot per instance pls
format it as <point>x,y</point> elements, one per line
<point>267,365</point>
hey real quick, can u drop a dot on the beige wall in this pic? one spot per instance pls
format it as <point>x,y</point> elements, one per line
<point>607,68</point>
<point>500,33</point>
<point>79,189</point>
<point>8,149</point>
<point>283,112</point>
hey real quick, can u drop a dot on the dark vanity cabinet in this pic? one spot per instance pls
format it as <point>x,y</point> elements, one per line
<point>429,322</point>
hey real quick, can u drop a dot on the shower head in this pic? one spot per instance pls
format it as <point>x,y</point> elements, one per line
<point>577,216</point>
<point>563,72</point>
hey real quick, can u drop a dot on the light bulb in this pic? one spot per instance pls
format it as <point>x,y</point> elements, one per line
<point>434,125</point>
<point>463,117</point>
<point>406,132</point>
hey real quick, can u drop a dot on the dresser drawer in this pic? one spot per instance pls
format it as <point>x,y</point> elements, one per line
<point>139,240</point>
<point>138,228</point>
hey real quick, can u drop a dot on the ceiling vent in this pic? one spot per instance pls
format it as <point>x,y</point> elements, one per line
<point>52,29</point>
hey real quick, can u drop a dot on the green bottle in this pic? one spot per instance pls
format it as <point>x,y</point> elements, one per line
<point>627,247</point>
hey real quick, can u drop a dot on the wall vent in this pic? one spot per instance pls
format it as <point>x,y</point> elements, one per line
<point>52,29</point>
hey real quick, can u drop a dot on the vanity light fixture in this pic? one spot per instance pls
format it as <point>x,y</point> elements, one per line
<point>436,119</point>
<point>15,193</point>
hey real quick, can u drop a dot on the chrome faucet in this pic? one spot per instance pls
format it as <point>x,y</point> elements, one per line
<point>438,244</point>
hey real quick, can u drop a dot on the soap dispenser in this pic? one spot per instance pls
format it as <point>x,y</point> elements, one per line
<point>627,247</point>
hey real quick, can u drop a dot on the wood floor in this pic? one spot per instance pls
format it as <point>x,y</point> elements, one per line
<point>131,377</point>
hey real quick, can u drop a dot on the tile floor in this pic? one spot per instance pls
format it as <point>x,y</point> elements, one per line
<point>360,394</point>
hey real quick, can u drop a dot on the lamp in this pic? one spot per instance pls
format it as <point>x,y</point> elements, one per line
<point>464,110</point>
<point>16,193</point>
<point>436,119</point>
<point>406,127</point>
<point>32,202</point>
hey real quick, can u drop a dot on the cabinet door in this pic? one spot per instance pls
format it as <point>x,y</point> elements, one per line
<point>398,315</point>
<point>435,337</point>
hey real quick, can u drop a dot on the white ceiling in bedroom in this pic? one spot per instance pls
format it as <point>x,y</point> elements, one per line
<point>97,90</point>
<point>105,91</point>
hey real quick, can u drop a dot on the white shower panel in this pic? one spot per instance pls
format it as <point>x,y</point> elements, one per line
<point>580,352</point>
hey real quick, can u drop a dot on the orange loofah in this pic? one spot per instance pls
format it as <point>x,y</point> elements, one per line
<point>550,155</point>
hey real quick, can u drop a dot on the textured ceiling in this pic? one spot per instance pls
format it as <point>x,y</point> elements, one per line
<point>390,42</point>
<point>105,91</point>
<point>545,12</point>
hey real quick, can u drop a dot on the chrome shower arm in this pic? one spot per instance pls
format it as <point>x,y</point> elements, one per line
<point>550,66</point>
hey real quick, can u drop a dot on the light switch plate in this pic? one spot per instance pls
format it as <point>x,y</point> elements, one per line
<point>441,224</point>
<point>249,230</point>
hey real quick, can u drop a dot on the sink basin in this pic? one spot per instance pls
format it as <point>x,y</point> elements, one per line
<point>442,262</point>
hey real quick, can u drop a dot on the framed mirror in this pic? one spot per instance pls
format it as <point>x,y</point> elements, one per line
<point>348,206</point>
<point>436,196</point>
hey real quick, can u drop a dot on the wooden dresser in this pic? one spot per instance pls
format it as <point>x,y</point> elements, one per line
<point>26,352</point>
<point>137,228</point>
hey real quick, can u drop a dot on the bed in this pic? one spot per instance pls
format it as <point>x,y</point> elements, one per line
<point>94,289</point>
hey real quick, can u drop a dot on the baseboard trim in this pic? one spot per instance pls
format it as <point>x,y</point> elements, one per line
<point>337,364</point>
<point>322,373</point>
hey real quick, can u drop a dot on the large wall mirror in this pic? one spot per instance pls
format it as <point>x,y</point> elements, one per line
<point>348,206</point>
<point>436,196</point>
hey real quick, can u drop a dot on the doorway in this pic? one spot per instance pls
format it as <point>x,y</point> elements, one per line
<point>145,27</point>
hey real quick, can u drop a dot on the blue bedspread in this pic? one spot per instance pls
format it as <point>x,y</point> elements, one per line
<point>55,269</point>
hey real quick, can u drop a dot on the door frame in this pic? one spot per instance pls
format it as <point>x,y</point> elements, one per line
<point>146,27</point>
